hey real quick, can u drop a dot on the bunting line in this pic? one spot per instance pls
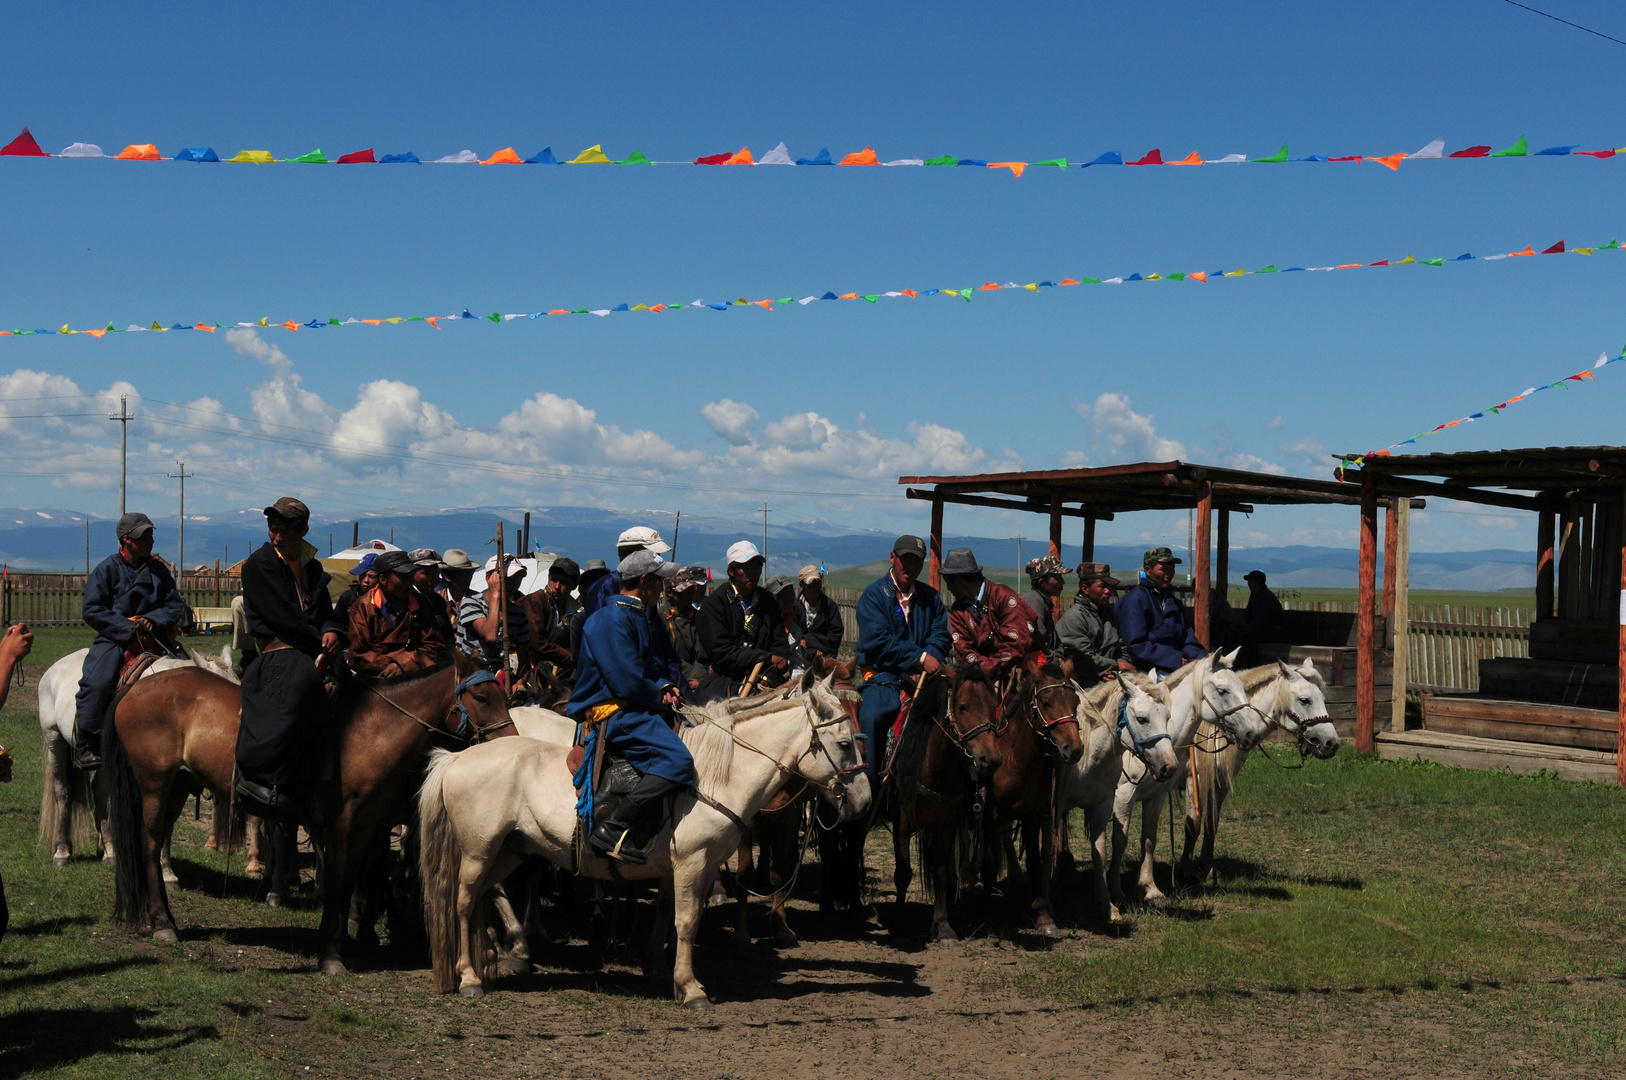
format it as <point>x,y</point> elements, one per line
<point>1201,277</point>
<point>1586,375</point>
<point>25,145</point>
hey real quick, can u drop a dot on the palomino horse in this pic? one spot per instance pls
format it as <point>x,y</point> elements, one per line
<point>1132,722</point>
<point>946,755</point>
<point>1203,690</point>
<point>484,811</point>
<point>68,793</point>
<point>177,731</point>
<point>1292,699</point>
<point>1038,730</point>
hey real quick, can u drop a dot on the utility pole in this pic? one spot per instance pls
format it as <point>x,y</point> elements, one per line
<point>87,549</point>
<point>180,539</point>
<point>124,419</point>
<point>1019,563</point>
<point>764,536</point>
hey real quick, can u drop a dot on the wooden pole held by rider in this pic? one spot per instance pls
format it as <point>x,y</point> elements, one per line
<point>501,603</point>
<point>750,683</point>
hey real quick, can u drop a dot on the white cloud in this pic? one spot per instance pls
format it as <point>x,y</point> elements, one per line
<point>387,413</point>
<point>1278,424</point>
<point>1125,434</point>
<point>730,419</point>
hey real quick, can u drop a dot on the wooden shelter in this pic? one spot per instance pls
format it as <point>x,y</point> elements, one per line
<point>1099,494</point>
<point>1569,691</point>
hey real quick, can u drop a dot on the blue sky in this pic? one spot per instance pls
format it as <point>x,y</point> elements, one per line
<point>711,410</point>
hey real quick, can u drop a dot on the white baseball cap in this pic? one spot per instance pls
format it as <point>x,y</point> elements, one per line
<point>644,537</point>
<point>742,552</point>
<point>514,567</point>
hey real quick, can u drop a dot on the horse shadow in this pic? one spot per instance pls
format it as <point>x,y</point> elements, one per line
<point>65,974</point>
<point>51,927</point>
<point>1234,869</point>
<point>36,1040</point>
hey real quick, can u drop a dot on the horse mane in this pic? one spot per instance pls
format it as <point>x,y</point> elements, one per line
<point>1255,678</point>
<point>352,687</point>
<point>711,743</point>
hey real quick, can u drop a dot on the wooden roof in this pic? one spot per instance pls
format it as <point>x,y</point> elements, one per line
<point>1496,476</point>
<point>1112,489</point>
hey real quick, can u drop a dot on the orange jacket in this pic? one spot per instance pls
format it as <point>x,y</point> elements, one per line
<point>413,643</point>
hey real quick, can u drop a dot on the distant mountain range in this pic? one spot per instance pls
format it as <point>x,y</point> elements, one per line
<point>53,539</point>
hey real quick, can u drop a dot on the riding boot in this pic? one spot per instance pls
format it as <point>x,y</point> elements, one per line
<point>612,835</point>
<point>87,749</point>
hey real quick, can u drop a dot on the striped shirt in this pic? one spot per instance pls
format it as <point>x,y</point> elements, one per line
<point>474,608</point>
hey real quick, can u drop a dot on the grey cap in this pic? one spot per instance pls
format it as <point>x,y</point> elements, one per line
<point>135,524</point>
<point>644,563</point>
<point>960,562</point>
<point>779,583</point>
<point>424,557</point>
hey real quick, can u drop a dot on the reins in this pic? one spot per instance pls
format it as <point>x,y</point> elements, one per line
<point>837,790</point>
<point>465,722</point>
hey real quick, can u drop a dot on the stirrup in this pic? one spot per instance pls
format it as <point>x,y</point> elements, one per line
<point>619,851</point>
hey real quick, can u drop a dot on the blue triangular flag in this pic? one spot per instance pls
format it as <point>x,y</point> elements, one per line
<point>1553,151</point>
<point>718,307</point>
<point>1291,269</point>
<point>972,161</point>
<point>1464,257</point>
<point>1047,284</point>
<point>829,296</point>
<point>1134,277</point>
<point>619,307</point>
<point>408,158</point>
<point>197,153</point>
<point>1111,157</point>
<point>822,159</point>
<point>315,324</point>
<point>544,158</point>
<point>1312,157</point>
<point>179,326</point>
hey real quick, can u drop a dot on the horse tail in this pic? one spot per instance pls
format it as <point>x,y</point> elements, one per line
<point>59,774</point>
<point>131,894</point>
<point>440,860</point>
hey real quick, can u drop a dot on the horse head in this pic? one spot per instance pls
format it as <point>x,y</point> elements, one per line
<point>972,719</point>
<point>1225,703</point>
<point>1052,706</point>
<point>1300,706</point>
<point>833,761</point>
<point>479,707</point>
<point>1143,727</point>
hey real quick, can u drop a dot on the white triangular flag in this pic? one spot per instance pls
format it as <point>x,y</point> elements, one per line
<point>1432,150</point>
<point>777,156</point>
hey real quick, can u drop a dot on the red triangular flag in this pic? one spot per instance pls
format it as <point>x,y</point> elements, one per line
<point>23,146</point>
<point>1153,157</point>
<point>1556,249</point>
<point>360,157</point>
<point>1472,151</point>
<point>713,159</point>
<point>1380,262</point>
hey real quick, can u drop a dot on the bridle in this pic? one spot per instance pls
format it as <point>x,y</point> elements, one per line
<point>951,728</point>
<point>1142,747</point>
<point>465,723</point>
<point>836,789</point>
<point>1224,735</point>
<point>1043,726</point>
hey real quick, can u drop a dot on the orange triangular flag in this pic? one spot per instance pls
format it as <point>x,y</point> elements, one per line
<point>291,325</point>
<point>94,333</point>
<point>373,322</point>
<point>1192,158</point>
<point>866,156</point>
<point>1528,250</point>
<point>658,307</point>
<point>560,311</point>
<point>1201,275</point>
<point>140,152</point>
<point>1393,161</point>
<point>910,293</point>
<point>849,296</point>
<point>434,320</point>
<point>1068,281</point>
<point>1015,166</point>
<point>742,158</point>
<point>764,304</point>
<point>987,285</point>
<point>200,326</point>
<point>504,157</point>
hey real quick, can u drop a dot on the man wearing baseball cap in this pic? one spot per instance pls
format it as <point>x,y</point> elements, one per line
<point>1153,622</point>
<point>394,629</point>
<point>683,596</point>
<point>621,689</point>
<point>737,627</point>
<point>548,609</point>
<point>366,578</point>
<point>1048,576</point>
<point>133,605</point>
<point>1089,629</point>
<point>479,619</point>
<point>902,632</point>
<point>605,588</point>
<point>818,616</point>
<point>1262,617</point>
<point>286,743</point>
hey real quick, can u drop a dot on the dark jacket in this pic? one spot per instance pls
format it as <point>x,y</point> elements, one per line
<point>1090,639</point>
<point>272,605</point>
<point>1155,630</point>
<point>993,633</point>
<point>1044,623</point>
<point>686,643</point>
<point>616,662</point>
<point>413,640</point>
<point>734,638</point>
<point>606,589</point>
<point>822,628</point>
<point>116,591</point>
<point>887,644</point>
<point>539,609</point>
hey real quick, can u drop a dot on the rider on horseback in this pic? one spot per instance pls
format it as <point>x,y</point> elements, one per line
<point>991,626</point>
<point>394,628</point>
<point>622,686</point>
<point>286,739</point>
<point>1089,629</point>
<point>132,604</point>
<point>738,628</point>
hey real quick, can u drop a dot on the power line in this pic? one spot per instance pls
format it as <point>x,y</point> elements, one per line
<point>1566,22</point>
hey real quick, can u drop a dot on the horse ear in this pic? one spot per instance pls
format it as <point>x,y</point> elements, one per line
<point>1229,659</point>
<point>1308,667</point>
<point>810,678</point>
<point>1066,664</point>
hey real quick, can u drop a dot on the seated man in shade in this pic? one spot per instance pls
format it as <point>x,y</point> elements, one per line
<point>1154,624</point>
<point>1089,629</point>
<point>1261,618</point>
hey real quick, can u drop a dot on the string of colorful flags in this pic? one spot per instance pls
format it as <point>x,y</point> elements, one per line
<point>962,293</point>
<point>25,145</point>
<point>1604,360</point>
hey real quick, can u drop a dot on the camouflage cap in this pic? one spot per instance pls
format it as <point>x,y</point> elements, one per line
<point>1045,566</point>
<point>690,577</point>
<point>1159,555</point>
<point>289,509</point>
<point>1095,571</point>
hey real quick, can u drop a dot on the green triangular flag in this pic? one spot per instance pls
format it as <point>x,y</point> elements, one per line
<point>873,297</point>
<point>155,325</point>
<point>946,159</point>
<point>1091,281</point>
<point>581,311</point>
<point>787,300</point>
<point>315,157</point>
<point>635,158</point>
<point>334,322</point>
<point>1060,162</point>
<point>1177,277</point>
<point>965,294</point>
<point>110,326</point>
<point>1281,155</point>
<point>1271,269</point>
<point>1518,149</point>
<point>495,316</point>
<point>113,329</point>
<point>1433,262</point>
<point>414,318</point>
<point>1611,245</point>
<point>741,302</point>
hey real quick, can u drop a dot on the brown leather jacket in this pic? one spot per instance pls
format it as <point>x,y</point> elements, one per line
<point>413,642</point>
<point>994,634</point>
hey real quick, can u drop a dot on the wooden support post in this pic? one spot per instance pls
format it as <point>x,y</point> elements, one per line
<point>1400,521</point>
<point>934,546</point>
<point>1222,554</point>
<point>355,534</point>
<point>1620,708</point>
<point>525,542</point>
<point>1389,562</point>
<point>1366,600</point>
<point>1055,529</point>
<point>1567,547</point>
<point>1089,540</point>
<point>217,583</point>
<point>1200,544</point>
<point>1544,565</point>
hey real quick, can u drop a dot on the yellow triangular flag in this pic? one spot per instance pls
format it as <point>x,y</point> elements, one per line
<point>593,155</point>
<point>263,322</point>
<point>1407,259</point>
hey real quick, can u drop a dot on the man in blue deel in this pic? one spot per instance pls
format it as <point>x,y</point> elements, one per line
<point>1152,621</point>
<point>902,632</point>
<point>620,689</point>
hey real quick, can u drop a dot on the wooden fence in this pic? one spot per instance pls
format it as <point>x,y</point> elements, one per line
<point>59,599</point>
<point>1447,641</point>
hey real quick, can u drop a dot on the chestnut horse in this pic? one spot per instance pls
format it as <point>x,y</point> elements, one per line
<point>177,731</point>
<point>946,755</point>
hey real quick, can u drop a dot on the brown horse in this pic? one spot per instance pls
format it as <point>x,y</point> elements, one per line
<point>177,731</point>
<point>946,755</point>
<point>1038,729</point>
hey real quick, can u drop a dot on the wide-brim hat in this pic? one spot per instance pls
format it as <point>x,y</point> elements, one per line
<point>960,562</point>
<point>456,559</point>
<point>595,569</point>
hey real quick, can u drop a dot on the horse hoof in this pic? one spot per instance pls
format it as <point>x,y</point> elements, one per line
<point>254,868</point>
<point>699,1004</point>
<point>471,993</point>
<point>210,845</point>
<point>170,878</point>
<point>166,935</point>
<point>786,939</point>
<point>334,966</point>
<point>59,861</point>
<point>1159,901</point>
<point>509,965</point>
<point>1048,929</point>
<point>1114,915</point>
<point>107,857</point>
<point>273,899</point>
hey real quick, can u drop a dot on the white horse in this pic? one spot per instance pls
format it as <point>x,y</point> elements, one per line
<point>68,792</point>
<point>484,810</point>
<point>1124,720</point>
<point>1203,690</point>
<point>1292,699</point>
<point>543,725</point>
